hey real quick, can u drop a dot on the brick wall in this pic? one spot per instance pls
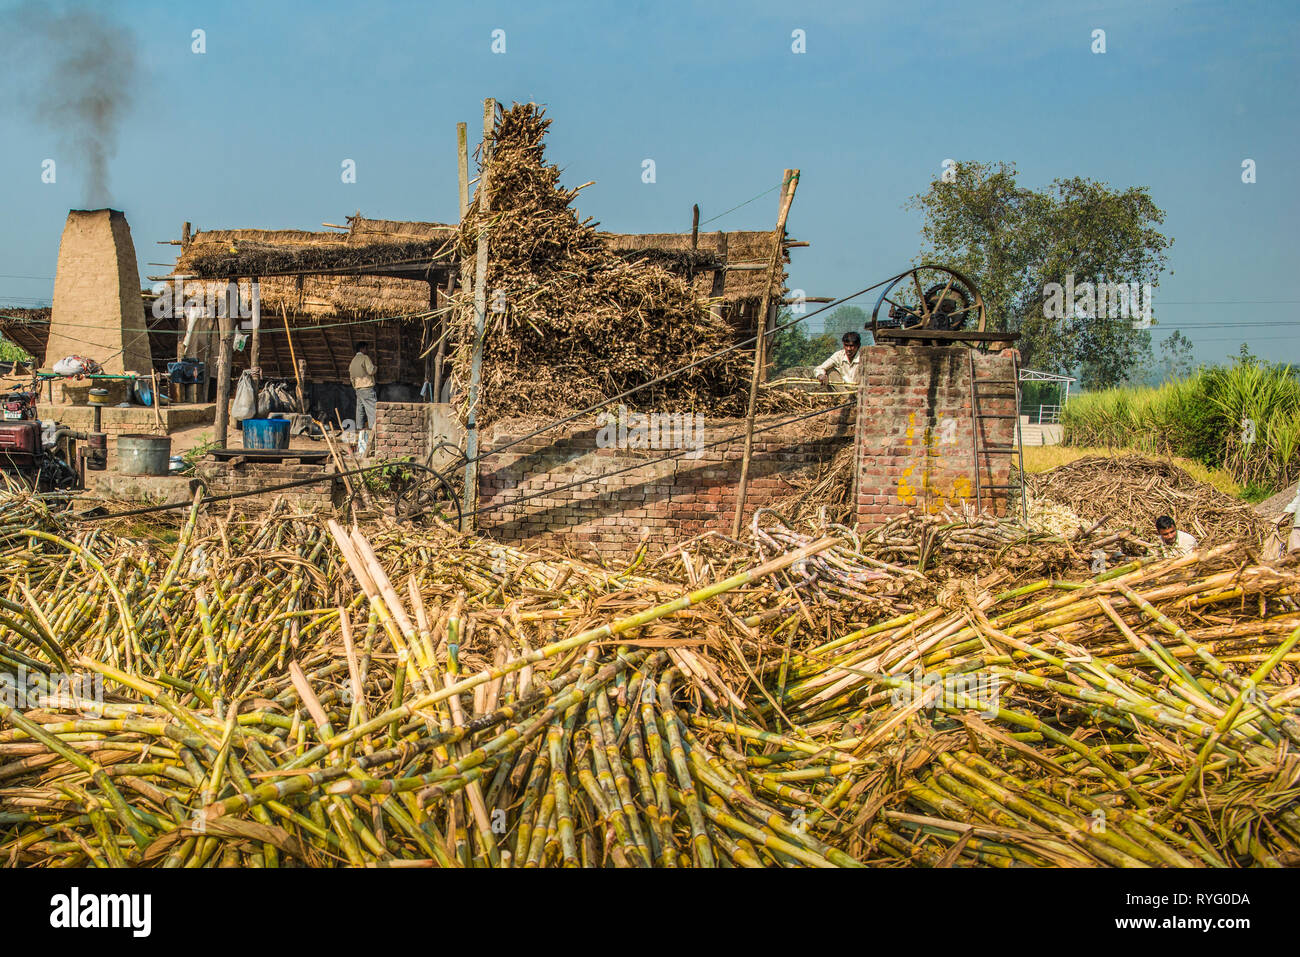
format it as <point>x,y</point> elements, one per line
<point>915,446</point>
<point>671,501</point>
<point>402,429</point>
<point>137,420</point>
<point>222,478</point>
<point>407,429</point>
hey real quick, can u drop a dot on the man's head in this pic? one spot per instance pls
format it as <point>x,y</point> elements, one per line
<point>1167,529</point>
<point>852,342</point>
<point>361,347</point>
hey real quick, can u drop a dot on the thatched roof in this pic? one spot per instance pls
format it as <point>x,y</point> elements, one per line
<point>369,244</point>
<point>371,270</point>
<point>706,262</point>
<point>26,328</point>
<point>30,329</point>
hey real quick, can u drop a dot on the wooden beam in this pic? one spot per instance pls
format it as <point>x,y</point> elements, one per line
<point>334,362</point>
<point>791,182</point>
<point>480,318</point>
<point>440,359</point>
<point>225,348</point>
<point>255,354</point>
<point>462,167</point>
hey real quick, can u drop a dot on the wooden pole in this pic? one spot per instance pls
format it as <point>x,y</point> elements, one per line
<point>463,173</point>
<point>480,319</point>
<point>293,357</point>
<point>157,414</point>
<point>224,350</point>
<point>440,359</point>
<point>462,167</point>
<point>791,182</point>
<point>255,354</point>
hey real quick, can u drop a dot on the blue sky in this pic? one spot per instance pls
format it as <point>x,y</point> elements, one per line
<point>253,132</point>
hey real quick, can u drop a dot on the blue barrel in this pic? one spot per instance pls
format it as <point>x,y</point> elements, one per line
<point>266,433</point>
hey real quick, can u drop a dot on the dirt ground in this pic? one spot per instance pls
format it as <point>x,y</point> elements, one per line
<point>194,436</point>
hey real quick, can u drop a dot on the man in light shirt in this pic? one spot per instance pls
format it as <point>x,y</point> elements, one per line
<point>1174,544</point>
<point>844,361</point>
<point>362,372</point>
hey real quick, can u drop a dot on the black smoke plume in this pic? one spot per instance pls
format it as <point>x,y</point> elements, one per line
<point>74,71</point>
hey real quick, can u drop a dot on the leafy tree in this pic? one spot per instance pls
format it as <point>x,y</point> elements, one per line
<point>1013,241</point>
<point>1176,356</point>
<point>845,319</point>
<point>787,347</point>
<point>794,347</point>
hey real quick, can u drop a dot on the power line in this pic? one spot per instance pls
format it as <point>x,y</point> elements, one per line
<point>740,344</point>
<point>745,203</point>
<point>551,492</point>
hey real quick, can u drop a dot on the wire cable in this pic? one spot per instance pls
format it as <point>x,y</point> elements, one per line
<point>556,423</point>
<point>665,458</point>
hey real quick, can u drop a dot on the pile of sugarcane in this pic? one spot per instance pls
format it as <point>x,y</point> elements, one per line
<point>572,322</point>
<point>1150,716</point>
<point>282,692</point>
<point>1132,490</point>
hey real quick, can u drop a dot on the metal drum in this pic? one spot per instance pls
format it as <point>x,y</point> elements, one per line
<point>266,433</point>
<point>144,454</point>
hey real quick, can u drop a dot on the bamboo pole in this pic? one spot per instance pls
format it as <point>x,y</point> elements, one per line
<point>255,353</point>
<point>480,319</point>
<point>224,347</point>
<point>293,357</point>
<point>157,414</point>
<point>760,346</point>
<point>462,167</point>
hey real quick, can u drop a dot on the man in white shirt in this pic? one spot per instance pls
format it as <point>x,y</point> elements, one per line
<point>1174,544</point>
<point>844,361</point>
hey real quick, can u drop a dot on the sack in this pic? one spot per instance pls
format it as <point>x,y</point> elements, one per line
<point>245,404</point>
<point>76,366</point>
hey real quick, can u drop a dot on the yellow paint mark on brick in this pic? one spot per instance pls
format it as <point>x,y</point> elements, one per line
<point>906,493</point>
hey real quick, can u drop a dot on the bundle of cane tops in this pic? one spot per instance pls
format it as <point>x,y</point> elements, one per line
<point>570,322</point>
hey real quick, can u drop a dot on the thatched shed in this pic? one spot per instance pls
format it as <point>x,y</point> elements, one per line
<point>30,330</point>
<point>385,281</point>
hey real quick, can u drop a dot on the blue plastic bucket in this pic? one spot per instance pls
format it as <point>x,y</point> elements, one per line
<point>266,433</point>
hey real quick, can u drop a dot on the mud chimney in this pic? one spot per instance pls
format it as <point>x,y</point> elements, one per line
<point>98,312</point>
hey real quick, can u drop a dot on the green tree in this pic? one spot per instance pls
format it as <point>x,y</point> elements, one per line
<point>1176,357</point>
<point>788,347</point>
<point>1013,241</point>
<point>845,319</point>
<point>794,347</point>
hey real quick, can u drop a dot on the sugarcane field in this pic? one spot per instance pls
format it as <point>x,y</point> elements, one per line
<point>867,509</point>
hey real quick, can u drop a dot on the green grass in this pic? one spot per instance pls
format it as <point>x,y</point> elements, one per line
<point>1243,419</point>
